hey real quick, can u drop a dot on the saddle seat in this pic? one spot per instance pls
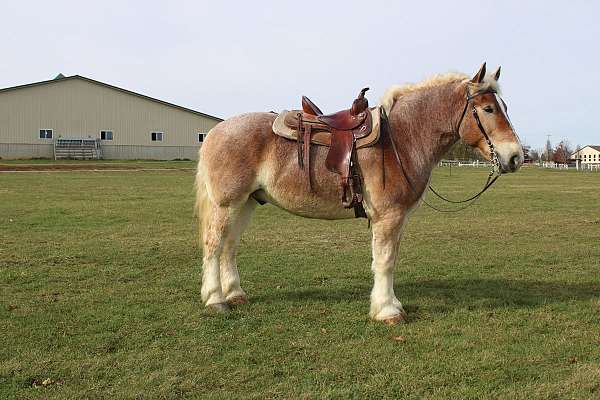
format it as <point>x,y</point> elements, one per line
<point>339,131</point>
<point>342,120</point>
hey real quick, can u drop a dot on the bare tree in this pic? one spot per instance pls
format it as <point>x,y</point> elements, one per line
<point>534,155</point>
<point>562,152</point>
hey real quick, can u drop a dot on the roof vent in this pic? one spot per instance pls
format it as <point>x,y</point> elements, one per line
<point>59,76</point>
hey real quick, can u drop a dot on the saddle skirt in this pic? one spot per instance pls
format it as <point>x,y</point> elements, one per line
<point>323,138</point>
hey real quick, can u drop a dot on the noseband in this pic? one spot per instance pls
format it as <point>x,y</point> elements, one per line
<point>495,162</point>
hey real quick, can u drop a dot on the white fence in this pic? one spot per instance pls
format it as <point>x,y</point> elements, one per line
<point>459,163</point>
<point>589,167</point>
<point>553,165</point>
<point>577,166</point>
<point>546,164</point>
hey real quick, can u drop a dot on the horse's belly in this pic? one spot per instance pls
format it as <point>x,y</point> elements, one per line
<point>309,206</point>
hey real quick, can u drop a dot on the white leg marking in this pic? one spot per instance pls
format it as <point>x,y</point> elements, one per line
<point>213,240</point>
<point>230,278</point>
<point>386,235</point>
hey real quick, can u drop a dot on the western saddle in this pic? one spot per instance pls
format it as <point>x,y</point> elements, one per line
<point>345,128</point>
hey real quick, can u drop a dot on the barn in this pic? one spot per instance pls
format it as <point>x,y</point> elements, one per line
<point>81,118</point>
<point>589,154</point>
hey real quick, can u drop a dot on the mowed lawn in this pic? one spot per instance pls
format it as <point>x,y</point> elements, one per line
<point>100,295</point>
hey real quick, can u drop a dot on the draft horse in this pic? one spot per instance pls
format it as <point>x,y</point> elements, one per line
<point>242,162</point>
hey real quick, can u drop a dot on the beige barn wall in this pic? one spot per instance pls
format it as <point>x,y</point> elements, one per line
<point>78,108</point>
<point>132,152</point>
<point>119,152</point>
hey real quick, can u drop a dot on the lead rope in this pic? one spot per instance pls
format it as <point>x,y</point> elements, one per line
<point>490,181</point>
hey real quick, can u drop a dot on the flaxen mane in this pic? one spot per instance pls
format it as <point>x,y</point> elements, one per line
<point>397,91</point>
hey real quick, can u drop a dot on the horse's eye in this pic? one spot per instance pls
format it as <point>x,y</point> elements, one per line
<point>488,109</point>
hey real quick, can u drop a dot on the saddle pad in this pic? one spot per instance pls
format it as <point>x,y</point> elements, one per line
<point>324,138</point>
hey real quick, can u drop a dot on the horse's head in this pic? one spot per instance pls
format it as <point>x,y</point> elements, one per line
<point>485,119</point>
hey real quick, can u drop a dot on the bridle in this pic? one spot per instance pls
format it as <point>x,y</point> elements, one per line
<point>492,176</point>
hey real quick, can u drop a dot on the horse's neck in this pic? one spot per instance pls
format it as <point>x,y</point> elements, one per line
<point>427,128</point>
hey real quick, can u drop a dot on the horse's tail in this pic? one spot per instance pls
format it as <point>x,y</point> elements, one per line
<point>201,208</point>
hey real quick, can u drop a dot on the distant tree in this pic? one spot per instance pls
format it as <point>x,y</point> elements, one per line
<point>461,151</point>
<point>568,148</point>
<point>562,152</point>
<point>534,155</point>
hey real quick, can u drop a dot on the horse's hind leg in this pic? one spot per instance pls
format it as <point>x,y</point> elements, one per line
<point>216,225</point>
<point>230,278</point>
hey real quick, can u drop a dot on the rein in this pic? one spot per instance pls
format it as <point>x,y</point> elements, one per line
<point>491,179</point>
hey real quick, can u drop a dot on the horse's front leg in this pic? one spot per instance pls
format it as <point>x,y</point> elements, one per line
<point>384,304</point>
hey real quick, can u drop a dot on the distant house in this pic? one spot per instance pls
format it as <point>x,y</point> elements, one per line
<point>78,117</point>
<point>587,155</point>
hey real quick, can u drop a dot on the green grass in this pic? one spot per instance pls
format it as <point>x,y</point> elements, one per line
<point>126,164</point>
<point>99,291</point>
<point>42,161</point>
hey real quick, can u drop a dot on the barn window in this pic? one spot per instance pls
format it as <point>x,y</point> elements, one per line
<point>201,137</point>
<point>157,136</point>
<point>45,133</point>
<point>106,135</point>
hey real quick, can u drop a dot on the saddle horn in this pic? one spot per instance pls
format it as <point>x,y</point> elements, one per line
<point>361,103</point>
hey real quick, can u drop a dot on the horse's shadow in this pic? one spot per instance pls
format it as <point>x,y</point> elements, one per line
<point>477,293</point>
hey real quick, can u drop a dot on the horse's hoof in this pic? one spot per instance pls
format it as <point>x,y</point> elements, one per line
<point>395,320</point>
<point>237,300</point>
<point>218,307</point>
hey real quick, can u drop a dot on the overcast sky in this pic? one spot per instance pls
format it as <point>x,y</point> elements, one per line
<point>225,58</point>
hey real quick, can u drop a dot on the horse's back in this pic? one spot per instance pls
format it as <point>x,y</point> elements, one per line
<point>244,128</point>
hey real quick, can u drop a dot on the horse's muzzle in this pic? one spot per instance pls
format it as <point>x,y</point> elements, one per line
<point>511,162</point>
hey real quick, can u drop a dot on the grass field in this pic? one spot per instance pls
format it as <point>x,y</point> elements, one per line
<point>46,164</point>
<point>100,295</point>
<point>42,161</point>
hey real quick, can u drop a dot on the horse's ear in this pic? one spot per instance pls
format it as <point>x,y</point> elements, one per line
<point>497,74</point>
<point>479,75</point>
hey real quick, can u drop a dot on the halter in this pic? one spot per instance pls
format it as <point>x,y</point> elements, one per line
<point>495,162</point>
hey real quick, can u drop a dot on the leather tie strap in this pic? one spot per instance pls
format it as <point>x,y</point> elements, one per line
<point>299,140</point>
<point>307,133</point>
